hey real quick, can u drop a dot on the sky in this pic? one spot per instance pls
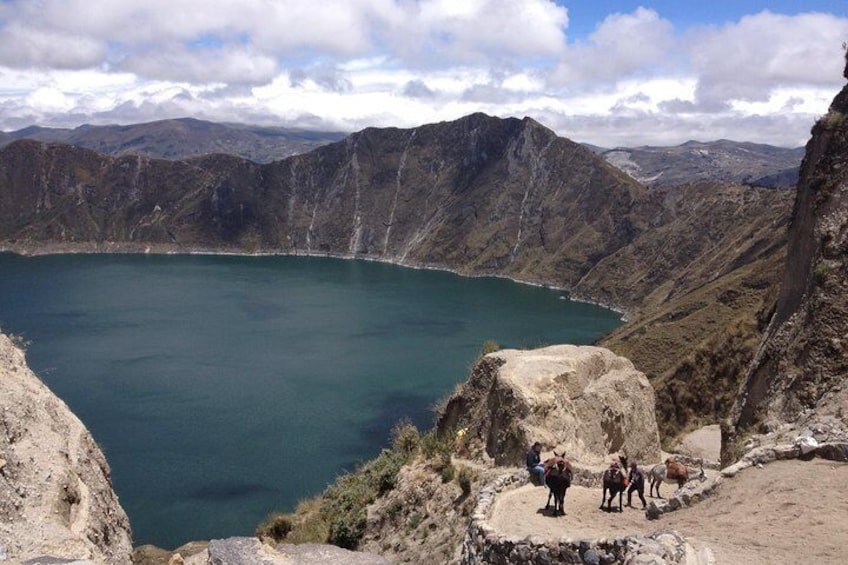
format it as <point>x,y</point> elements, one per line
<point>611,73</point>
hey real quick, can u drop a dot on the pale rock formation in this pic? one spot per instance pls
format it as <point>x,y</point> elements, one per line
<point>56,496</point>
<point>251,551</point>
<point>583,400</point>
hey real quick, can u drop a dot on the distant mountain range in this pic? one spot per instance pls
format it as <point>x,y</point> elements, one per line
<point>693,161</point>
<point>721,161</point>
<point>183,138</point>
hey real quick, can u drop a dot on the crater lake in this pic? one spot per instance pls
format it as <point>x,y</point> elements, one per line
<point>223,388</point>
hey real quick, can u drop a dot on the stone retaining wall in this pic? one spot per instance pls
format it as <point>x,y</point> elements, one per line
<point>484,546</point>
<point>693,493</point>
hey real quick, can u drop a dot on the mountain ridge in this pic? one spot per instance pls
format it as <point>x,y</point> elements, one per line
<point>183,138</point>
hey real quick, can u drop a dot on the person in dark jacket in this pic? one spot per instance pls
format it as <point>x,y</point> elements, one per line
<point>534,464</point>
<point>636,478</point>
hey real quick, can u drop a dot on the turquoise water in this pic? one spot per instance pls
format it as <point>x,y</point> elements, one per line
<point>223,388</point>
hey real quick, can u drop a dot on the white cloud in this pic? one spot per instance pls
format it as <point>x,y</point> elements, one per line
<point>23,46</point>
<point>348,64</point>
<point>749,59</point>
<point>623,45</point>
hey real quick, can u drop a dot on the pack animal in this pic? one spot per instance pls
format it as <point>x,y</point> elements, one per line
<point>673,471</point>
<point>558,475</point>
<point>614,481</point>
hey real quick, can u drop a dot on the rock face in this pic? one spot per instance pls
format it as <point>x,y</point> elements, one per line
<point>56,497</point>
<point>585,401</point>
<point>799,373</point>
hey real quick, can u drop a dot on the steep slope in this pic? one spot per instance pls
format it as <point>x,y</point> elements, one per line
<point>800,370</point>
<point>56,496</point>
<point>708,279</point>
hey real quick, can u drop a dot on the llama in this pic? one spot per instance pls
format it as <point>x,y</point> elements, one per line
<point>614,481</point>
<point>673,471</point>
<point>558,476</point>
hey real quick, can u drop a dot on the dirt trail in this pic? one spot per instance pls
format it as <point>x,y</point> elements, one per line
<point>787,512</point>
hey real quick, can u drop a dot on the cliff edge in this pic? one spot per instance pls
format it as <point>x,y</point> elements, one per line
<point>56,496</point>
<point>799,372</point>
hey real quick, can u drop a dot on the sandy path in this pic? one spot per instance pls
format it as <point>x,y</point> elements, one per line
<point>787,512</point>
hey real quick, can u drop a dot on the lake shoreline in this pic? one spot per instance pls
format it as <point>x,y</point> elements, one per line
<point>166,249</point>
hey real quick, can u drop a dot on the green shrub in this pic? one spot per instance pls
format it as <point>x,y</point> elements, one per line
<point>276,526</point>
<point>489,347</point>
<point>405,437</point>
<point>309,523</point>
<point>465,478</point>
<point>821,273</point>
<point>338,516</point>
<point>415,520</point>
<point>382,472</point>
<point>394,508</point>
<point>447,473</point>
<point>833,119</point>
<point>347,529</point>
<point>432,446</point>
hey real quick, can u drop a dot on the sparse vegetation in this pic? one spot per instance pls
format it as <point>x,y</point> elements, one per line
<point>448,471</point>
<point>415,520</point>
<point>433,446</point>
<point>465,477</point>
<point>833,119</point>
<point>275,527</point>
<point>405,437</point>
<point>339,516</point>
<point>488,347</point>
<point>821,272</point>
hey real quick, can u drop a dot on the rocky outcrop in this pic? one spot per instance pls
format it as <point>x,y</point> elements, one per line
<point>799,373</point>
<point>56,496</point>
<point>585,401</point>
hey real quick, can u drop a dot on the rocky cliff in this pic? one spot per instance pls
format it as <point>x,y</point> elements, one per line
<point>585,401</point>
<point>799,373</point>
<point>56,496</point>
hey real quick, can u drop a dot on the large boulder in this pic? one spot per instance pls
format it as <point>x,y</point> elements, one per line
<point>583,400</point>
<point>56,496</point>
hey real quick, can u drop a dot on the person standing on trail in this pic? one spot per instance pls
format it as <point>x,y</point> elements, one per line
<point>636,478</point>
<point>534,464</point>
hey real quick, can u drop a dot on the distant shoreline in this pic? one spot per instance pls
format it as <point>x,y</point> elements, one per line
<point>166,249</point>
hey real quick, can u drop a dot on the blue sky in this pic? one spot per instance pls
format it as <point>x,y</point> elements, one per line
<point>585,15</point>
<point>604,72</point>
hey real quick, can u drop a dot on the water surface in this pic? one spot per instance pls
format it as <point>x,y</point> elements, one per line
<point>222,388</point>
